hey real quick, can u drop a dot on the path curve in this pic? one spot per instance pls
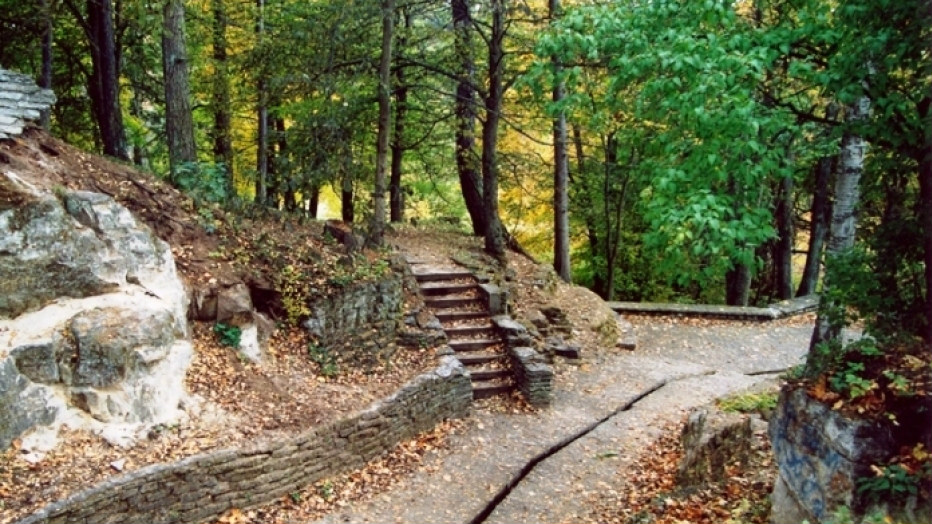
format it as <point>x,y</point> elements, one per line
<point>505,468</point>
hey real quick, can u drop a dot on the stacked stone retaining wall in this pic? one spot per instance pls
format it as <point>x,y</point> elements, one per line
<point>361,323</point>
<point>204,486</point>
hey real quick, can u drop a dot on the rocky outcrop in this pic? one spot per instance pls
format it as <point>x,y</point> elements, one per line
<point>820,453</point>
<point>92,314</point>
<point>20,100</point>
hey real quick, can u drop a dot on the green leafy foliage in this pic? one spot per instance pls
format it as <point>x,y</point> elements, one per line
<point>322,356</point>
<point>228,335</point>
<point>203,182</point>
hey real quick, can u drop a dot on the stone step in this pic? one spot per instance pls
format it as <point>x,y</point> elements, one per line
<point>484,374</point>
<point>452,302</point>
<point>443,287</point>
<point>473,344</point>
<point>477,359</point>
<point>491,389</point>
<point>469,331</point>
<point>453,316</point>
<point>437,275</point>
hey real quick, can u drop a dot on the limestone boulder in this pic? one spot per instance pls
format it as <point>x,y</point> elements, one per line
<point>92,315</point>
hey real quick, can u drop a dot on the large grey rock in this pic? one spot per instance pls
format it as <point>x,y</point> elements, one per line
<point>819,454</point>
<point>87,245</point>
<point>92,315</point>
<point>32,405</point>
<point>234,305</point>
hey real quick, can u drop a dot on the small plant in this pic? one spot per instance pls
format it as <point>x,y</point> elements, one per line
<point>325,490</point>
<point>295,496</point>
<point>229,335</point>
<point>850,382</point>
<point>891,480</point>
<point>749,402</point>
<point>295,295</point>
<point>323,358</point>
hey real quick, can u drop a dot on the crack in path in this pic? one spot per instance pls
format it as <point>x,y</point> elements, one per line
<point>526,470</point>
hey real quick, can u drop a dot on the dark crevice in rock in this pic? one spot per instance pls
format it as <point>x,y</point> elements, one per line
<point>767,372</point>
<point>526,470</point>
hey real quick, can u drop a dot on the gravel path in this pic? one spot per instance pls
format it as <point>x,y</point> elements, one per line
<point>506,468</point>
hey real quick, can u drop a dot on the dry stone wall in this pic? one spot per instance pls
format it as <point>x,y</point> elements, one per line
<point>361,323</point>
<point>204,486</point>
<point>20,100</point>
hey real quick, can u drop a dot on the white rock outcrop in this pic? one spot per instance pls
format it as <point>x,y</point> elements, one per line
<point>93,328</point>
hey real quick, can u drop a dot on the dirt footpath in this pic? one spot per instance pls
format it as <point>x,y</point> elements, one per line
<point>541,467</point>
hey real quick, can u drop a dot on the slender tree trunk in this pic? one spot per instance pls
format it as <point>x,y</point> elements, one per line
<point>105,82</point>
<point>401,109</point>
<point>495,235</point>
<point>347,211</point>
<point>286,183</point>
<point>783,247</point>
<point>262,110</point>
<point>313,201</point>
<point>45,79</point>
<point>820,216</point>
<point>925,219</point>
<point>738,285</point>
<point>222,129</point>
<point>585,203</point>
<point>179,123</point>
<point>377,224</point>
<point>561,168</point>
<point>844,217</point>
<point>465,111</point>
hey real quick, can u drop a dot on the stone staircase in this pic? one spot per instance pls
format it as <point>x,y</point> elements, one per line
<point>454,296</point>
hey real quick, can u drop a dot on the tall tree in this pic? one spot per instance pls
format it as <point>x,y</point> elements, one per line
<point>401,109</point>
<point>377,224</point>
<point>494,234</point>
<point>820,215</point>
<point>104,79</point>
<point>844,217</point>
<point>221,104</point>
<point>45,78</point>
<point>179,122</point>
<point>561,222</point>
<point>465,112</point>
<point>262,115</point>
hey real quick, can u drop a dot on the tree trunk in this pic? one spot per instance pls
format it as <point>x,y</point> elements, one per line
<point>313,201</point>
<point>262,110</point>
<point>820,216</point>
<point>286,184</point>
<point>222,130</point>
<point>925,219</point>
<point>105,83</point>
<point>585,203</point>
<point>45,79</point>
<point>738,285</point>
<point>495,235</point>
<point>465,112</point>
<point>783,246</point>
<point>398,149</point>
<point>844,218</point>
<point>347,211</point>
<point>377,224</point>
<point>179,123</point>
<point>561,223</point>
